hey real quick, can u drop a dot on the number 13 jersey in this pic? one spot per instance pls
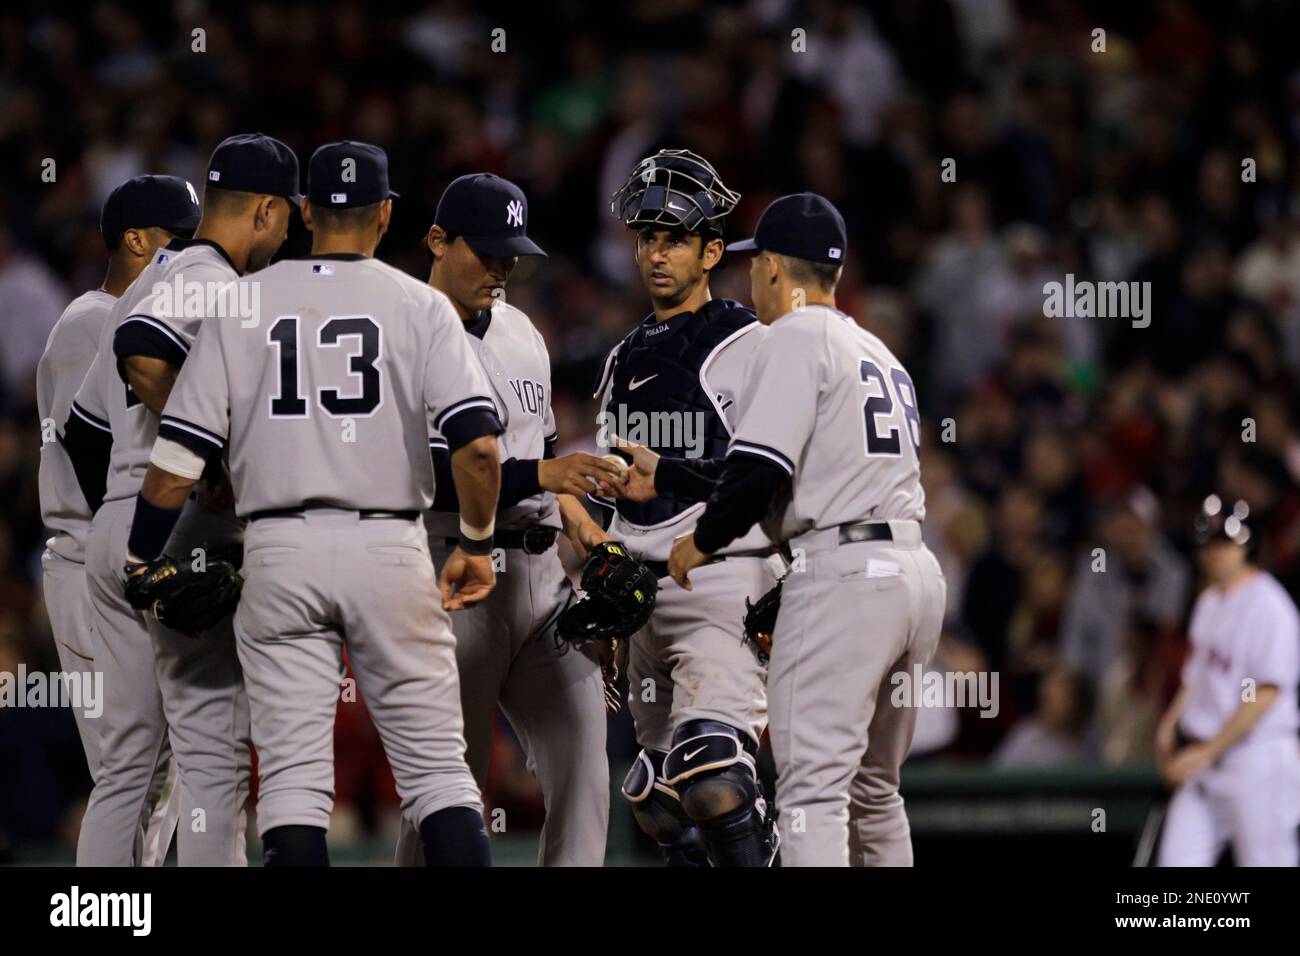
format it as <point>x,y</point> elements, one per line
<point>325,398</point>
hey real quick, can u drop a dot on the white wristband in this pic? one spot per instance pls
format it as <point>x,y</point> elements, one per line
<point>478,534</point>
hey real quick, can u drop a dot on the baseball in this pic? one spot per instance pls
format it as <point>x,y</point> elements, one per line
<point>620,462</point>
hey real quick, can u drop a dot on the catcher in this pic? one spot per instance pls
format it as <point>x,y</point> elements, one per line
<point>697,694</point>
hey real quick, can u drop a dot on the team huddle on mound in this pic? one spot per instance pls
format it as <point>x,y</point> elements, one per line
<point>238,499</point>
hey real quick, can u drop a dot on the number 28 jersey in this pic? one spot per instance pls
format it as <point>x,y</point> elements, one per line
<point>826,401</point>
<point>326,398</point>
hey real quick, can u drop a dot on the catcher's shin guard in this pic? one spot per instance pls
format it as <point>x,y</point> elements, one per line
<point>660,815</point>
<point>712,767</point>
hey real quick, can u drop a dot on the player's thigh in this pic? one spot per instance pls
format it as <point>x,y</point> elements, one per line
<point>482,662</point>
<point>889,736</point>
<point>1195,830</point>
<point>401,645</point>
<point>555,700</point>
<point>837,636</point>
<point>485,640</point>
<point>290,657</point>
<point>650,689</point>
<point>716,675</point>
<point>1262,790</point>
<point>132,728</point>
<point>203,695</point>
<point>67,603</point>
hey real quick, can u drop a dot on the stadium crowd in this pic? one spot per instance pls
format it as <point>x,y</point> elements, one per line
<point>1170,158</point>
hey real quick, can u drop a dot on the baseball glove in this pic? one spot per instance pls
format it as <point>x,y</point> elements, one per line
<point>760,621</point>
<point>621,593</point>
<point>184,599</point>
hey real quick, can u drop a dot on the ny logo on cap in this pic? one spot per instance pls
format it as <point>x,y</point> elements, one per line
<point>515,213</point>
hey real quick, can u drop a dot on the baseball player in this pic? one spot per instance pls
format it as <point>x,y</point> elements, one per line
<point>827,450</point>
<point>672,384</point>
<point>324,409</point>
<point>505,647</point>
<point>138,217</point>
<point>161,685</point>
<point>1228,743</point>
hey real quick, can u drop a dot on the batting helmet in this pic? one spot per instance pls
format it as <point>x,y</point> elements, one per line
<point>674,188</point>
<point>1215,522</point>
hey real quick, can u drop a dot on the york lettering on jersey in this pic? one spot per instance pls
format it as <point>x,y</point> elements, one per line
<point>531,395</point>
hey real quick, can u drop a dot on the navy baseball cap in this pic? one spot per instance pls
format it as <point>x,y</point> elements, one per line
<point>347,174</point>
<point>168,202</point>
<point>802,225</point>
<point>491,213</point>
<point>255,163</point>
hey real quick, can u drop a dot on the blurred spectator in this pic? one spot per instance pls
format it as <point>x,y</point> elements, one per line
<point>1137,572</point>
<point>1134,692</point>
<point>1055,735</point>
<point>32,301</point>
<point>996,582</point>
<point>967,342</point>
<point>1033,629</point>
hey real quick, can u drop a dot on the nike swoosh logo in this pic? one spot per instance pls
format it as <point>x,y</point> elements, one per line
<point>673,205</point>
<point>694,753</point>
<point>633,385</point>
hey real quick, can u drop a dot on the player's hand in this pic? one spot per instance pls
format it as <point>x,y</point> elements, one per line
<point>466,579</point>
<point>607,657</point>
<point>1165,741</point>
<point>1188,763</point>
<point>577,474</point>
<point>640,484</point>
<point>217,497</point>
<point>685,558</point>
<point>586,536</point>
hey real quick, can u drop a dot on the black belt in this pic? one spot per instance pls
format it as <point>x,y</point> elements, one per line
<point>535,539</point>
<point>364,513</point>
<point>660,568</point>
<point>865,531</point>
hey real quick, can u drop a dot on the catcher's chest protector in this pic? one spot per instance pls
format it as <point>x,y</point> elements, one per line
<point>663,361</point>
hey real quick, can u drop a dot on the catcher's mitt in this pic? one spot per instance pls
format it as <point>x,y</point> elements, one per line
<point>760,621</point>
<point>621,593</point>
<point>182,598</point>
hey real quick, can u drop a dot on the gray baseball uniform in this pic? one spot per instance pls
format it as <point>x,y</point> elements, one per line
<point>827,402</point>
<point>159,685</point>
<point>70,349</point>
<point>324,407</point>
<point>505,647</point>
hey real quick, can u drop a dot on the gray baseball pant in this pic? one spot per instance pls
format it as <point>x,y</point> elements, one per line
<point>856,614</point>
<point>553,698</point>
<point>162,687</point>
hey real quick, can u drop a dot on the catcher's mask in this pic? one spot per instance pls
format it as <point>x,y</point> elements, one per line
<point>1217,523</point>
<point>676,189</point>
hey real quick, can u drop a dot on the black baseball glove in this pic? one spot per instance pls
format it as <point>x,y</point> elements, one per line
<point>182,598</point>
<point>760,621</point>
<point>621,593</point>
